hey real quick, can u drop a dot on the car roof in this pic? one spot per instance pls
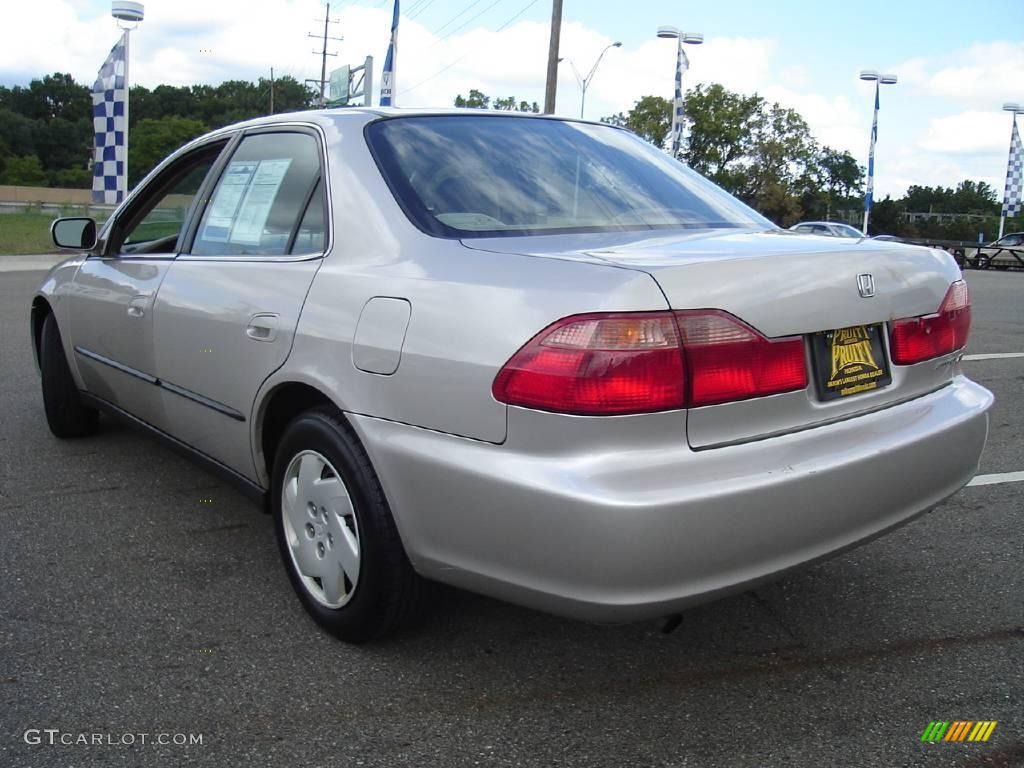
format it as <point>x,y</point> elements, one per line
<point>327,116</point>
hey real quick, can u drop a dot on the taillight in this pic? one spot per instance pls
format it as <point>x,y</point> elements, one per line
<point>916,339</point>
<point>641,362</point>
<point>728,360</point>
<point>598,365</point>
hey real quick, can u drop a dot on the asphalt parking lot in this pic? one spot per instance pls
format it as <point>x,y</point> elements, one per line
<point>139,595</point>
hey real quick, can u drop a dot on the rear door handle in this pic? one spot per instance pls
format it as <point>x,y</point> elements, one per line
<point>262,327</point>
<point>137,306</point>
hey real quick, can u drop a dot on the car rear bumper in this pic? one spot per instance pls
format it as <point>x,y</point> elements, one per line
<point>618,520</point>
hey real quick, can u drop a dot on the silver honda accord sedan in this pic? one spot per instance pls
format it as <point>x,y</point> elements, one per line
<point>531,357</point>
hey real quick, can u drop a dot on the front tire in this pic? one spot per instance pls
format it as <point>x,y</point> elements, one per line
<point>65,414</point>
<point>336,535</point>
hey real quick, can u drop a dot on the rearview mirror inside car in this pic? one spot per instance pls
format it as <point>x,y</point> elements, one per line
<point>77,233</point>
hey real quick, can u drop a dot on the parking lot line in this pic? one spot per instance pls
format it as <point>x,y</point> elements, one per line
<point>994,356</point>
<point>1002,477</point>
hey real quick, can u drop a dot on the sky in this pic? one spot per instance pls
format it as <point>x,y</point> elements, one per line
<point>957,62</point>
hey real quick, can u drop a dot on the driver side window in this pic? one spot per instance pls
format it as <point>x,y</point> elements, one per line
<point>156,223</point>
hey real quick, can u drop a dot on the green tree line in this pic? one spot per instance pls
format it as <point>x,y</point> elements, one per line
<point>46,132</point>
<point>765,155</point>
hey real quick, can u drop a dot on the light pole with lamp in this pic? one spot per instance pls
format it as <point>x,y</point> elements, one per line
<point>682,64</point>
<point>879,80</point>
<point>129,15</point>
<point>585,81</point>
<point>1012,194</point>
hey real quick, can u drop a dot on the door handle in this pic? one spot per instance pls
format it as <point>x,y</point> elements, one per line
<point>262,327</point>
<point>137,306</point>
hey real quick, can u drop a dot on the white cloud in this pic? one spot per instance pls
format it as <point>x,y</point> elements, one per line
<point>983,75</point>
<point>967,133</point>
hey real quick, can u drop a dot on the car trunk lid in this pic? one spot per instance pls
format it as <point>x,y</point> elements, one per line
<point>783,284</point>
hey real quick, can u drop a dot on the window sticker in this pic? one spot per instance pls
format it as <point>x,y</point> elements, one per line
<point>259,197</point>
<point>243,201</point>
<point>225,202</point>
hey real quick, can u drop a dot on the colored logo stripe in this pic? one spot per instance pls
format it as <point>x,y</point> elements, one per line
<point>982,730</point>
<point>958,730</point>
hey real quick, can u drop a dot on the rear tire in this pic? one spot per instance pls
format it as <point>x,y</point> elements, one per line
<point>982,262</point>
<point>65,414</point>
<point>336,501</point>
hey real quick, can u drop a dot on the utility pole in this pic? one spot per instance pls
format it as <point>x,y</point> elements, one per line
<point>271,90</point>
<point>323,54</point>
<point>556,34</point>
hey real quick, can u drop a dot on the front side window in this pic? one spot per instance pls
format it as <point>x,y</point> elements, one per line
<point>470,176</point>
<point>155,223</point>
<point>269,185</point>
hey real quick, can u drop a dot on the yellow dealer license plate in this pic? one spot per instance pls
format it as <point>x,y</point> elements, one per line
<point>848,361</point>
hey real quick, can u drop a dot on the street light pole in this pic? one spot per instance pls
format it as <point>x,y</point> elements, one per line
<point>585,81</point>
<point>879,80</point>
<point>129,15</point>
<point>1012,193</point>
<point>682,64</point>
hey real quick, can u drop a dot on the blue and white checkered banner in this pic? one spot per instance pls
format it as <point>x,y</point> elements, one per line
<point>1013,196</point>
<point>109,101</point>
<point>387,78</point>
<point>682,64</point>
<point>870,193</point>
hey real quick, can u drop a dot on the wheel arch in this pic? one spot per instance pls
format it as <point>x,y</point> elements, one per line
<point>41,309</point>
<point>278,405</point>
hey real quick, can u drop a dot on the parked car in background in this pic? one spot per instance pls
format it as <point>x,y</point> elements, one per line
<point>1004,253</point>
<point>828,228</point>
<point>888,238</point>
<point>532,357</point>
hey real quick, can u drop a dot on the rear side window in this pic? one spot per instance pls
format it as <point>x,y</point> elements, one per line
<point>267,187</point>
<point>485,176</point>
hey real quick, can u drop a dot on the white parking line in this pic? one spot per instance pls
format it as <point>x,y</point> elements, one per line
<point>1002,477</point>
<point>994,356</point>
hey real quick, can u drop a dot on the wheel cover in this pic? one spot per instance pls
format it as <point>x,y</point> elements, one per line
<point>321,529</point>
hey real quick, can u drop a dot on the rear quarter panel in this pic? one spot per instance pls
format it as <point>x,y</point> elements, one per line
<point>470,310</point>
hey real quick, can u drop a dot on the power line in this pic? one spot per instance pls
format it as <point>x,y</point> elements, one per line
<point>421,9</point>
<point>470,20</point>
<point>458,16</point>
<point>444,69</point>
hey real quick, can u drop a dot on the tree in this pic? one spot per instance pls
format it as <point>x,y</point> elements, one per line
<point>650,119</point>
<point>479,100</point>
<point>720,135</point>
<point>24,171</point>
<point>476,100</point>
<point>509,104</point>
<point>152,140</point>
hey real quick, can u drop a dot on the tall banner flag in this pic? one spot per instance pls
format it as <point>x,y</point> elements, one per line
<point>109,120</point>
<point>387,79</point>
<point>682,64</point>
<point>1012,196</point>
<point>870,193</point>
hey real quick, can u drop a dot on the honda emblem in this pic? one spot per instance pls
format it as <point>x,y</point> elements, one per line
<point>866,285</point>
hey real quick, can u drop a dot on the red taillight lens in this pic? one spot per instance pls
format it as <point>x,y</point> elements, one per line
<point>728,360</point>
<point>916,339</point>
<point>634,363</point>
<point>598,365</point>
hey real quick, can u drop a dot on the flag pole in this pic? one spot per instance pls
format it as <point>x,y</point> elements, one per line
<point>870,192</point>
<point>127,95</point>
<point>387,78</point>
<point>1014,172</point>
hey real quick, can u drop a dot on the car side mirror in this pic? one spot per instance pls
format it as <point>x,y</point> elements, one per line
<point>77,234</point>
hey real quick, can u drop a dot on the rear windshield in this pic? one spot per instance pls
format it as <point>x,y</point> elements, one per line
<point>469,176</point>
